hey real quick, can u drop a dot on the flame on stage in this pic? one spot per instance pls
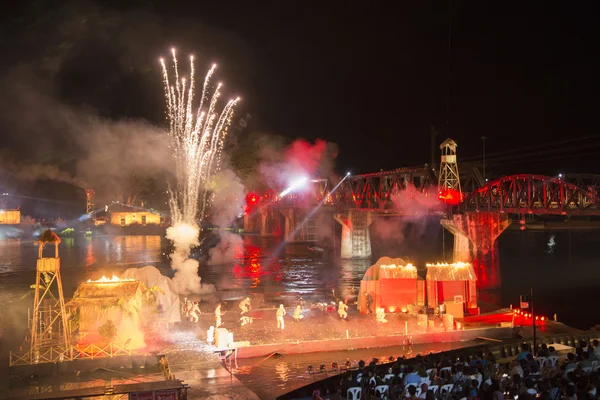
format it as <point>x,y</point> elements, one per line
<point>114,278</point>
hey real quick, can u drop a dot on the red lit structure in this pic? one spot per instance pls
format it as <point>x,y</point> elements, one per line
<point>451,196</point>
<point>453,285</point>
<point>393,284</point>
<point>252,201</point>
<point>533,194</point>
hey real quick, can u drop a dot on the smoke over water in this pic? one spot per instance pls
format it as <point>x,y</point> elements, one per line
<point>227,206</point>
<point>197,141</point>
<point>279,167</point>
<point>400,236</point>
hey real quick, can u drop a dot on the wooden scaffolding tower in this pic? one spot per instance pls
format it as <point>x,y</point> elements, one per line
<point>50,336</point>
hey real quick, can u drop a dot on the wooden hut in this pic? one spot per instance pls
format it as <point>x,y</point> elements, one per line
<point>99,304</point>
<point>453,285</point>
<point>10,217</point>
<point>393,284</point>
<point>123,215</point>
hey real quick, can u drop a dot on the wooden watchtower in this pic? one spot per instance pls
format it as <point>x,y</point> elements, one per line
<point>50,336</point>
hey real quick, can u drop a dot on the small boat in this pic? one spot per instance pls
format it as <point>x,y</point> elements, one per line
<point>318,249</point>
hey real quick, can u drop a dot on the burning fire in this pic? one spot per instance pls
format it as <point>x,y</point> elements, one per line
<point>114,278</point>
<point>408,266</point>
<point>453,265</point>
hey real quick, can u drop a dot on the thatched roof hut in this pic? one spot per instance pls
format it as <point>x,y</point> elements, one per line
<point>453,285</point>
<point>106,294</point>
<point>118,302</point>
<point>48,237</point>
<point>393,285</point>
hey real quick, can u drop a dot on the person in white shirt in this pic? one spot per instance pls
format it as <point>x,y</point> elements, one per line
<point>516,369</point>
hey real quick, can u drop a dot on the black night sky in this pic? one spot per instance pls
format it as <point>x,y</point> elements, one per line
<point>369,76</point>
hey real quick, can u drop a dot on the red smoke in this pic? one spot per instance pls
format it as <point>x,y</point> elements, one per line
<point>303,156</point>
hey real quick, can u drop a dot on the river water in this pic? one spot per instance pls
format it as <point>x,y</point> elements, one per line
<point>563,267</point>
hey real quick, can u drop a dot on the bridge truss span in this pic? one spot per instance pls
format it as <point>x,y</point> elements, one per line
<point>533,194</point>
<point>374,191</point>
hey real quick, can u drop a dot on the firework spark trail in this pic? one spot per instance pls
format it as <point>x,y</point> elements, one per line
<point>197,139</point>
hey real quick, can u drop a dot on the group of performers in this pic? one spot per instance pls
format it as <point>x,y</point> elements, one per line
<point>191,310</point>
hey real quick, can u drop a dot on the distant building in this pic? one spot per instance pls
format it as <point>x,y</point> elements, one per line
<point>10,217</point>
<point>126,216</point>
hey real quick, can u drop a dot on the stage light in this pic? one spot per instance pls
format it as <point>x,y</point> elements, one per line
<point>348,364</point>
<point>560,175</point>
<point>391,358</point>
<point>294,185</point>
<point>322,368</point>
<point>348,173</point>
<point>334,365</point>
<point>310,369</point>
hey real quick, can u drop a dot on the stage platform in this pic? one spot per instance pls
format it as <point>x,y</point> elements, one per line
<point>302,347</point>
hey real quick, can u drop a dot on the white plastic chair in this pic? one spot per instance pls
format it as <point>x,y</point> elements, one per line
<point>587,370</point>
<point>540,362</point>
<point>405,394</point>
<point>430,372</point>
<point>353,393</point>
<point>446,388</point>
<point>554,360</point>
<point>594,363</point>
<point>434,389</point>
<point>372,381</point>
<point>426,380</point>
<point>567,370</point>
<point>389,377</point>
<point>381,391</point>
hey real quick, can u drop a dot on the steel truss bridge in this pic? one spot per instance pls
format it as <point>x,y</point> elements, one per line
<point>535,194</point>
<point>573,194</point>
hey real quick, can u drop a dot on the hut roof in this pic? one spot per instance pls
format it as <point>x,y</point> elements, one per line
<point>390,268</point>
<point>451,272</point>
<point>105,293</point>
<point>48,237</point>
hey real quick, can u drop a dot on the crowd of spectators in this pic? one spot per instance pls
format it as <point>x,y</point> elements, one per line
<point>547,375</point>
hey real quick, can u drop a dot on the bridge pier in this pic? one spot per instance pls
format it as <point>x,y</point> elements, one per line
<point>296,229</point>
<point>270,222</point>
<point>356,239</point>
<point>252,223</point>
<point>475,241</point>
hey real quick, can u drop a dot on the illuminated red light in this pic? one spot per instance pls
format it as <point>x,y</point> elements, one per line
<point>451,196</point>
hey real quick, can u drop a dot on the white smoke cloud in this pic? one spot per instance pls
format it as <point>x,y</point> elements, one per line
<point>184,237</point>
<point>227,205</point>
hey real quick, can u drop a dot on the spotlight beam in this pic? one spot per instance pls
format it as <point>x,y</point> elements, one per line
<point>305,220</point>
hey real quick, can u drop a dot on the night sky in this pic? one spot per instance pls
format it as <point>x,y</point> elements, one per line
<point>369,76</point>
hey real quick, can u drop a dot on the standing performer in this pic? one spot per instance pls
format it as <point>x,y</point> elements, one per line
<point>298,313</point>
<point>195,312</point>
<point>381,316</point>
<point>280,314</point>
<point>218,316</point>
<point>369,303</point>
<point>245,305</point>
<point>342,310</point>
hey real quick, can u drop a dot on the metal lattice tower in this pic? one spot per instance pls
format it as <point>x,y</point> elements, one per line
<point>449,178</point>
<point>50,336</point>
<point>89,207</point>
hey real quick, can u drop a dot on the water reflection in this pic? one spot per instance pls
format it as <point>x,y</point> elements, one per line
<point>90,260</point>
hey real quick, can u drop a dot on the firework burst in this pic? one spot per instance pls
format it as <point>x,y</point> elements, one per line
<point>197,136</point>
